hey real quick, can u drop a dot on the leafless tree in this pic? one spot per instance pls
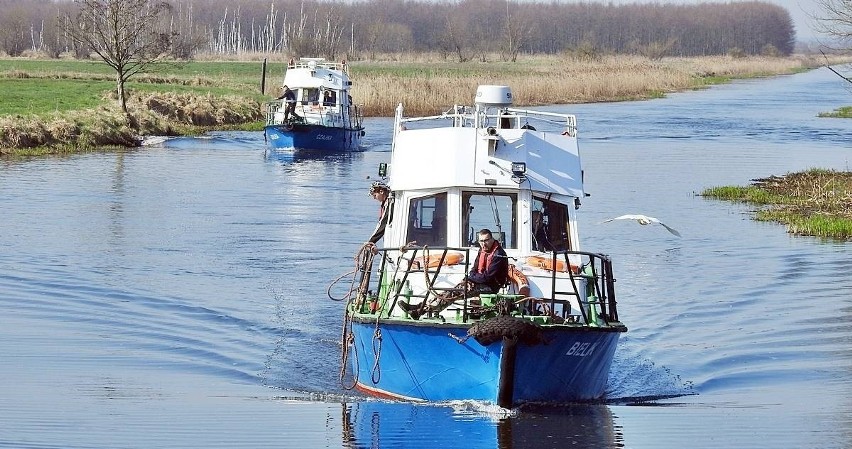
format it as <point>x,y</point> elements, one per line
<point>517,28</point>
<point>835,19</point>
<point>129,35</point>
<point>460,29</point>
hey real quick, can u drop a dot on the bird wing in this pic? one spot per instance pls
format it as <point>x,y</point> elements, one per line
<point>640,218</point>
<point>668,228</point>
<point>631,217</point>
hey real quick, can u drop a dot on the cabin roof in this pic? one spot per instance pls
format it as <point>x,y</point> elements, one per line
<point>471,157</point>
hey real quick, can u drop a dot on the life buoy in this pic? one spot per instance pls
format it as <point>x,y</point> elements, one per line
<point>546,263</point>
<point>520,280</point>
<point>435,259</point>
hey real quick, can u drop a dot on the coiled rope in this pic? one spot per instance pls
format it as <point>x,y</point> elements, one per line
<point>347,338</point>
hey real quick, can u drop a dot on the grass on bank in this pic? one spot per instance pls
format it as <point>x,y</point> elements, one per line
<point>149,114</point>
<point>424,85</point>
<point>36,91</point>
<point>815,202</point>
<point>844,112</point>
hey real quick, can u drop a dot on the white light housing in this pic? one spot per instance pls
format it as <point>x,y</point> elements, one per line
<point>500,96</point>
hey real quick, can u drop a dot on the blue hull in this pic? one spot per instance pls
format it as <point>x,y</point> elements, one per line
<point>419,361</point>
<point>313,137</point>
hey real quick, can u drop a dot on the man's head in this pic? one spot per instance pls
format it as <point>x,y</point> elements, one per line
<point>379,191</point>
<point>485,239</point>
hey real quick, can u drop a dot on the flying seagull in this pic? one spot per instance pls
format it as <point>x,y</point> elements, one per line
<point>644,220</point>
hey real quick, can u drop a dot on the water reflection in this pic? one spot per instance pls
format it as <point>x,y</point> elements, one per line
<point>300,154</point>
<point>377,424</point>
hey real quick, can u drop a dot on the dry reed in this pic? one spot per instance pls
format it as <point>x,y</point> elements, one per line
<point>551,80</point>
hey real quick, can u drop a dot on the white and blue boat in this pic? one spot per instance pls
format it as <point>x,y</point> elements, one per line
<point>325,120</point>
<point>549,336</point>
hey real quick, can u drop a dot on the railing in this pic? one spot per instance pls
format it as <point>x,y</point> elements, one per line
<point>351,117</point>
<point>592,284</point>
<point>498,118</point>
<point>596,270</point>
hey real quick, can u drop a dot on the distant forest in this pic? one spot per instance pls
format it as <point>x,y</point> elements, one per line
<point>462,30</point>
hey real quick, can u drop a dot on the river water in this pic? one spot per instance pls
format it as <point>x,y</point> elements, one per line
<point>175,296</point>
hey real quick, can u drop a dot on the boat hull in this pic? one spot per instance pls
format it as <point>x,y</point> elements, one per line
<point>420,361</point>
<point>313,137</point>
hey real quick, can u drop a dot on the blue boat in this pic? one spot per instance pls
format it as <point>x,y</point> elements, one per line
<point>550,334</point>
<point>323,118</point>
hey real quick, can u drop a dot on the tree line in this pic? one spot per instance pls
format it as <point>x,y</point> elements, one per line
<point>462,30</point>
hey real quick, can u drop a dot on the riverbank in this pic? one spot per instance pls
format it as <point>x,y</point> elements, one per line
<point>67,106</point>
<point>816,202</point>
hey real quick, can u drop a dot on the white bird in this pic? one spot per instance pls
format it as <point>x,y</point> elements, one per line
<point>644,220</point>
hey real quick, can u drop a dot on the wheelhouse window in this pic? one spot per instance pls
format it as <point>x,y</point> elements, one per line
<point>310,96</point>
<point>494,211</point>
<point>427,220</point>
<point>550,231</point>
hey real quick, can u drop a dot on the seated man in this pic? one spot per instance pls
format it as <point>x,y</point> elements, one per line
<point>491,267</point>
<point>489,273</point>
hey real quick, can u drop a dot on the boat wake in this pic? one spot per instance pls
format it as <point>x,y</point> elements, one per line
<point>636,380</point>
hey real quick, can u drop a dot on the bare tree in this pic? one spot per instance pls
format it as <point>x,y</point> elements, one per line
<point>127,34</point>
<point>836,19</point>
<point>464,29</point>
<point>517,32</point>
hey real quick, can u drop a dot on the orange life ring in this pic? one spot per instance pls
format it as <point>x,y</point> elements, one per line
<point>520,280</point>
<point>546,263</point>
<point>435,259</point>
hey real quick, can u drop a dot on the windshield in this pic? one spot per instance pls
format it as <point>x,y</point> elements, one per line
<point>492,211</point>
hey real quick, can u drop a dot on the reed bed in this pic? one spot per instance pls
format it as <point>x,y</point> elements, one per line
<point>430,88</point>
<point>815,202</point>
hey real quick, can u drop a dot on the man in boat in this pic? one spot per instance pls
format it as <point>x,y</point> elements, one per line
<point>490,272</point>
<point>381,193</point>
<point>491,267</point>
<point>329,99</point>
<point>289,102</point>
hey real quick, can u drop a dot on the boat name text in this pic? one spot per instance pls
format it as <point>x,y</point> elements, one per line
<point>581,349</point>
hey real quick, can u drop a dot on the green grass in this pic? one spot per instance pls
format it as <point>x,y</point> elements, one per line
<point>844,112</point>
<point>747,194</point>
<point>41,87</point>
<point>55,66</point>
<point>813,202</point>
<point>234,74</point>
<point>41,96</point>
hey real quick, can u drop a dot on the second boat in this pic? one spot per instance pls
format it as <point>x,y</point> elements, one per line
<point>315,111</point>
